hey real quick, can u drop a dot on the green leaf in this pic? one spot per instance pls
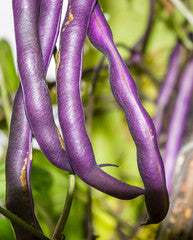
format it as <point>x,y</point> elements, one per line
<point>42,179</point>
<point>7,66</point>
<point>6,232</point>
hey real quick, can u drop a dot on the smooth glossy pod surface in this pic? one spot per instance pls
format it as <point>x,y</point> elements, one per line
<point>37,100</point>
<point>70,107</point>
<point>18,166</point>
<point>19,155</point>
<point>49,25</point>
<point>140,124</point>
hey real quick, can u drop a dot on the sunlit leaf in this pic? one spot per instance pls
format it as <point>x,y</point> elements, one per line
<point>8,67</point>
<point>6,231</point>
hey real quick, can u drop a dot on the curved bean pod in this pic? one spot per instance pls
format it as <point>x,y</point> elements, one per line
<point>71,115</point>
<point>18,166</point>
<point>49,25</point>
<point>177,123</point>
<point>32,73</point>
<point>140,124</point>
<point>19,198</point>
<point>167,86</point>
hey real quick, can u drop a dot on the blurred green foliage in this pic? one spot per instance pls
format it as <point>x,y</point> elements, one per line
<point>8,67</point>
<point>8,78</point>
<point>112,142</point>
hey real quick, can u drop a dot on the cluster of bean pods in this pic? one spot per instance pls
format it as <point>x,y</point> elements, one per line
<point>180,111</point>
<point>44,29</point>
<point>178,120</point>
<point>37,25</point>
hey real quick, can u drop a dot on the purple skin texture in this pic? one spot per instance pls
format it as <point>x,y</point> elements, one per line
<point>71,115</point>
<point>49,25</point>
<point>36,96</point>
<point>18,165</point>
<point>178,122</point>
<point>140,124</point>
<point>19,156</point>
<point>167,87</point>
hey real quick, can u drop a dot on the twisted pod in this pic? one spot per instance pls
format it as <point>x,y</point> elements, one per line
<point>140,124</point>
<point>19,155</point>
<point>36,96</point>
<point>71,115</point>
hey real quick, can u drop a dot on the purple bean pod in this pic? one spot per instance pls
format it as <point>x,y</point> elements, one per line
<point>71,115</point>
<point>37,100</point>
<point>19,198</point>
<point>49,25</point>
<point>178,122</point>
<point>140,124</point>
<point>167,86</point>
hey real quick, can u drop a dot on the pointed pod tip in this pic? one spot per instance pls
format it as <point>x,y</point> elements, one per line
<point>148,221</point>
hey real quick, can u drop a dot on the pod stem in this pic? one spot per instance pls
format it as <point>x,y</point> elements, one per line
<point>58,233</point>
<point>89,117</point>
<point>90,104</point>
<point>89,220</point>
<point>22,223</point>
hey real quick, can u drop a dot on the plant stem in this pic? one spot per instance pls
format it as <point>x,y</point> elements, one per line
<point>142,42</point>
<point>91,98</point>
<point>46,217</point>
<point>22,223</point>
<point>182,35</point>
<point>90,229</point>
<point>89,117</point>
<point>184,11</point>
<point>58,233</point>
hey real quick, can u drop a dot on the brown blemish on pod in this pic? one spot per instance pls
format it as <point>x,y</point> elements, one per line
<point>23,175</point>
<point>57,61</point>
<point>70,19</point>
<point>60,138</point>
